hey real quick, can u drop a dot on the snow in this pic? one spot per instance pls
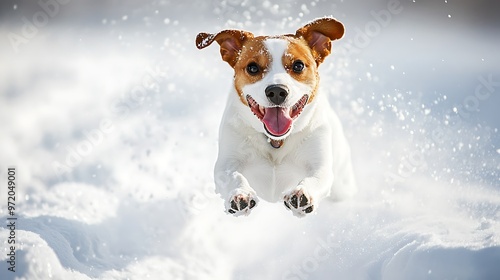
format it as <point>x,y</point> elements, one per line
<point>132,125</point>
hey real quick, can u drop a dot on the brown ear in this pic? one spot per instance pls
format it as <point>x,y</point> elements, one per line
<point>230,41</point>
<point>319,34</point>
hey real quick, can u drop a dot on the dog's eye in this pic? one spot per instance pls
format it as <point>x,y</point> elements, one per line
<point>253,68</point>
<point>298,66</point>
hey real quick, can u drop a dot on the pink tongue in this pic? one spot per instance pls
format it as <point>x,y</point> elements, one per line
<point>277,121</point>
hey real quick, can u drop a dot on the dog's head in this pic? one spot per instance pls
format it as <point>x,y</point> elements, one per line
<point>276,76</point>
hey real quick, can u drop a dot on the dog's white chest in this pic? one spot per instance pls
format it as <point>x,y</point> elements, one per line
<point>270,175</point>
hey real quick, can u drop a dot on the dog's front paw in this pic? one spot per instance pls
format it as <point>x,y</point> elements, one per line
<point>241,202</point>
<point>299,202</point>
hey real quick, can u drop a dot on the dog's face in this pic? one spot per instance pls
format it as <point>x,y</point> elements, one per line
<point>276,77</point>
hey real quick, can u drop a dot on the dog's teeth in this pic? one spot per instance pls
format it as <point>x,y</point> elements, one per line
<point>261,110</point>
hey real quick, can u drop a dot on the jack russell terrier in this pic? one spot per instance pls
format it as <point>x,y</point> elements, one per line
<point>279,138</point>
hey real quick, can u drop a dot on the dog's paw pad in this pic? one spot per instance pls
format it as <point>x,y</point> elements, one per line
<point>298,202</point>
<point>309,209</point>
<point>241,204</point>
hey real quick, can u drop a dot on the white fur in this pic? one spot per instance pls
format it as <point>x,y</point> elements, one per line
<point>315,156</point>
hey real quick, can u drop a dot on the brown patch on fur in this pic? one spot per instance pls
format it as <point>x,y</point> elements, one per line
<point>255,51</point>
<point>230,42</point>
<point>299,50</point>
<point>319,34</point>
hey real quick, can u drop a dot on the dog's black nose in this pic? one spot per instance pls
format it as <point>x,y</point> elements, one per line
<point>276,93</point>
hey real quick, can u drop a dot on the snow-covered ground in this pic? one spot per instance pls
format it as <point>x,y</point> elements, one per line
<point>110,114</point>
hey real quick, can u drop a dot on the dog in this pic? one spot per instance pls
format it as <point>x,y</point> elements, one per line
<point>279,139</point>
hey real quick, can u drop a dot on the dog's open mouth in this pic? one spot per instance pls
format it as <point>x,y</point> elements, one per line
<point>277,120</point>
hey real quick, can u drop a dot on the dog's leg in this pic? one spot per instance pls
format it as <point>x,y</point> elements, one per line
<point>239,197</point>
<point>241,201</point>
<point>234,152</point>
<point>329,170</point>
<point>304,198</point>
<point>299,202</point>
<point>315,155</point>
